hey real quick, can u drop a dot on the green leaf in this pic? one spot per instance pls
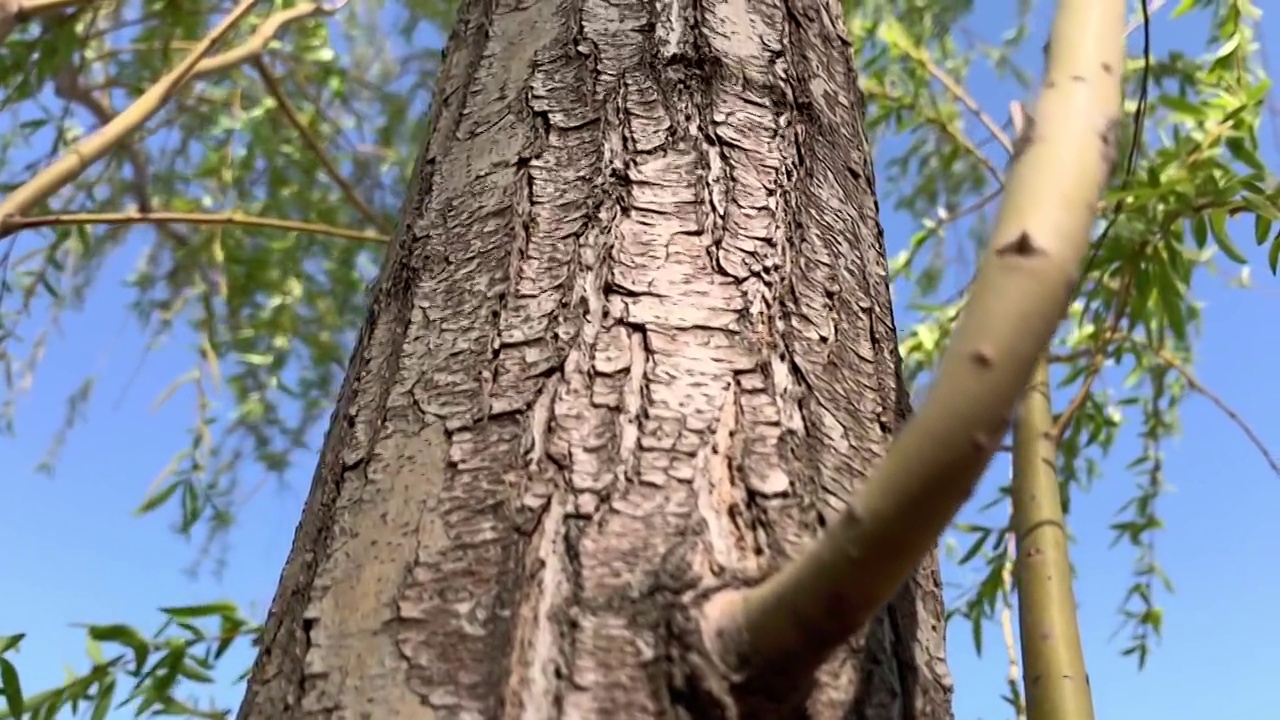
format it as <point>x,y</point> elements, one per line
<point>1227,47</point>
<point>126,636</point>
<point>157,499</point>
<point>1200,230</point>
<point>1182,106</point>
<point>191,672</point>
<point>1245,154</point>
<point>1155,619</point>
<point>200,611</point>
<point>974,548</point>
<point>975,627</point>
<point>231,628</point>
<point>12,689</point>
<point>102,703</point>
<point>94,650</point>
<point>258,359</point>
<point>1218,223</point>
<point>10,642</point>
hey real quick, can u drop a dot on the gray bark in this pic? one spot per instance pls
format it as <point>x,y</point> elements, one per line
<point>637,309</point>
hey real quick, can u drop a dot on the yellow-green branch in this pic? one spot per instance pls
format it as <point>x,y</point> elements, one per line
<point>1056,684</point>
<point>791,622</point>
<point>1055,681</point>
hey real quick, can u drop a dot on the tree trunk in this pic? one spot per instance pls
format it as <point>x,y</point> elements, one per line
<point>638,311</point>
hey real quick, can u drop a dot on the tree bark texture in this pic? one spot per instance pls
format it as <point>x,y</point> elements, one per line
<point>637,314</point>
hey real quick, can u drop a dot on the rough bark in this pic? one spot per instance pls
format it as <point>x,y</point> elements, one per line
<point>633,336</point>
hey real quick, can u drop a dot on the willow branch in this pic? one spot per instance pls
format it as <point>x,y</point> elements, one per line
<point>1055,682</point>
<point>965,99</point>
<point>265,33</point>
<point>94,146</point>
<point>962,96</point>
<point>67,86</point>
<point>775,634</point>
<point>1099,354</point>
<point>191,218</point>
<point>876,92</point>
<point>1196,386</point>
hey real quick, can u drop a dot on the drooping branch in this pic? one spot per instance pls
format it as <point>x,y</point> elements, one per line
<point>776,633</point>
<point>1106,345</point>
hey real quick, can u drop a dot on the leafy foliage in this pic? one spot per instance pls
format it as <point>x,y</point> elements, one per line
<point>261,192</point>
<point>130,670</point>
<point>273,128</point>
<point>1121,362</point>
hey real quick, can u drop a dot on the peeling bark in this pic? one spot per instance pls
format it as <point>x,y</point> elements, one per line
<point>634,336</point>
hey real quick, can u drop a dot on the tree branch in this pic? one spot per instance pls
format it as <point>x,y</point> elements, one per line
<point>16,12</point>
<point>775,635</point>
<point>94,146</point>
<point>191,218</point>
<point>1099,358</point>
<point>1056,681</point>
<point>1013,678</point>
<point>1168,359</point>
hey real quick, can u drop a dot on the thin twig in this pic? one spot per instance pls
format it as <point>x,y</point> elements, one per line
<point>1099,351</point>
<point>1197,386</point>
<point>1014,677</point>
<point>1099,357</point>
<point>964,98</point>
<point>193,218</point>
<point>308,138</point>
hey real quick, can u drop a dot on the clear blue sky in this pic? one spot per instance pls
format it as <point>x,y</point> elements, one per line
<point>75,553</point>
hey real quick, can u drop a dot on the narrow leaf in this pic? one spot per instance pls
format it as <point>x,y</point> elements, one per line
<point>12,688</point>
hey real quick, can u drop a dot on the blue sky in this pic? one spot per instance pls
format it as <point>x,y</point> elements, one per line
<point>76,553</point>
